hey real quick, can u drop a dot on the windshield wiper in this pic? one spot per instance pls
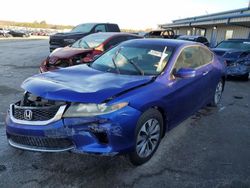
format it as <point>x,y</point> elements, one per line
<point>86,44</point>
<point>129,61</point>
<point>113,60</point>
<point>136,67</point>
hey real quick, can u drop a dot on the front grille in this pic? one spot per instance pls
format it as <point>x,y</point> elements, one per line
<point>38,113</point>
<point>55,41</point>
<point>41,142</point>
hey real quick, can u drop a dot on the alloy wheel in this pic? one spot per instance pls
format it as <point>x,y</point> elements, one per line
<point>148,138</point>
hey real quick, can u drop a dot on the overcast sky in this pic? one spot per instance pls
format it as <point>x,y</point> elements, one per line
<point>133,14</point>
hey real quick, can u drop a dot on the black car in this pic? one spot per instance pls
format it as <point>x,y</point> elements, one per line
<point>16,33</point>
<point>194,38</point>
<point>236,53</point>
<point>161,33</point>
<point>64,39</point>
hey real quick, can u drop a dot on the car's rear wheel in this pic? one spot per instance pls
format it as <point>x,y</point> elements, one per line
<point>217,94</point>
<point>148,136</point>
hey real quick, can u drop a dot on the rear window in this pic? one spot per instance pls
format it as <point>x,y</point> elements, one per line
<point>91,41</point>
<point>113,28</point>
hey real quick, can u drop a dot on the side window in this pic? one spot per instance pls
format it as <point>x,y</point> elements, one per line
<point>118,40</point>
<point>113,28</point>
<point>115,41</point>
<point>100,28</point>
<point>201,40</point>
<point>189,58</point>
<point>207,56</point>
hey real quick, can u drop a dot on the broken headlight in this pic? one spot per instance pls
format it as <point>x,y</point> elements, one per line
<point>86,110</point>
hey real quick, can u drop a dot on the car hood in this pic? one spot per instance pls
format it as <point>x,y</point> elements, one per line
<point>81,84</point>
<point>227,53</point>
<point>68,35</point>
<point>68,52</point>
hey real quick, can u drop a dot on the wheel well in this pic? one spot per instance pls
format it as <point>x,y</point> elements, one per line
<point>164,116</point>
<point>223,81</point>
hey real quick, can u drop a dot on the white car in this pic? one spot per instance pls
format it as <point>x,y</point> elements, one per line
<point>4,32</point>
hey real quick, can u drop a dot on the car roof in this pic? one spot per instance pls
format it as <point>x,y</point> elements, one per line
<point>161,30</point>
<point>191,36</point>
<point>95,23</point>
<point>239,39</point>
<point>112,34</point>
<point>162,42</point>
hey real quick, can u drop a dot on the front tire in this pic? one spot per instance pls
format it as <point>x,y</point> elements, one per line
<point>217,94</point>
<point>148,135</point>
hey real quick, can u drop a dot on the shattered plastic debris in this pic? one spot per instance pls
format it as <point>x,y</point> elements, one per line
<point>222,108</point>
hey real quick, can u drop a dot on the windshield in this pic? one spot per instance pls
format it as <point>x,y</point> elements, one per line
<point>90,41</point>
<point>84,28</point>
<point>134,60</point>
<point>239,45</point>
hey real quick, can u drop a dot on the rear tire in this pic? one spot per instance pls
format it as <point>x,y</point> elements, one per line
<point>217,94</point>
<point>148,135</point>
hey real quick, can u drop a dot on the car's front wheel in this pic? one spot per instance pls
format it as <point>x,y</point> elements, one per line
<point>148,136</point>
<point>217,94</point>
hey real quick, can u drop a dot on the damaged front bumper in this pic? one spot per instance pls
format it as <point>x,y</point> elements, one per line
<point>108,134</point>
<point>237,70</point>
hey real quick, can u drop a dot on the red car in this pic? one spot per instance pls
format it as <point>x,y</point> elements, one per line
<point>84,50</point>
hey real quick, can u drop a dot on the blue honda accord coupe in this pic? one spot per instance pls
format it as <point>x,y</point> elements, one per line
<point>122,103</point>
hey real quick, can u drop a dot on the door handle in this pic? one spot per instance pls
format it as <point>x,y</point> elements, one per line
<point>205,73</point>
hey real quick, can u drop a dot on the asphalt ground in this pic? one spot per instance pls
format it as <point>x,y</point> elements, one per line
<point>210,149</point>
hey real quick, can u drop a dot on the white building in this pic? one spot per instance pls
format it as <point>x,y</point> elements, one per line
<point>215,27</point>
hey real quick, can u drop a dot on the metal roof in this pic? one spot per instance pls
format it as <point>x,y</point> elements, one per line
<point>227,17</point>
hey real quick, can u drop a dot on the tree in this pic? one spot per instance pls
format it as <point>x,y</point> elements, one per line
<point>43,22</point>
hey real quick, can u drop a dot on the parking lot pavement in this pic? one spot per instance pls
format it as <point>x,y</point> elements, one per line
<point>211,149</point>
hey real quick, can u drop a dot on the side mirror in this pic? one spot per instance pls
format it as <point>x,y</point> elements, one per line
<point>185,73</point>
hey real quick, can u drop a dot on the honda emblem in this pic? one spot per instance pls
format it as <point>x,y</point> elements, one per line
<point>27,115</point>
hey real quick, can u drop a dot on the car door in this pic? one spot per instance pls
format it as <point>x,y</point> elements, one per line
<point>100,28</point>
<point>210,75</point>
<point>186,94</point>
